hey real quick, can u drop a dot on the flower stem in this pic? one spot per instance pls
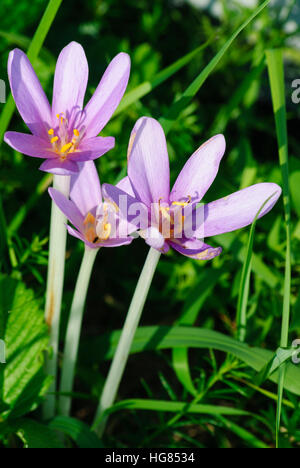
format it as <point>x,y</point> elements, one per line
<point>55,280</point>
<point>121,356</point>
<point>74,329</point>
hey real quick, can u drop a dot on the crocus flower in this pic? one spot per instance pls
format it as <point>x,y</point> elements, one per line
<point>95,223</point>
<point>66,133</point>
<point>148,184</point>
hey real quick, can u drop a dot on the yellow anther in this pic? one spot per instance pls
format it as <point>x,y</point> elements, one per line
<point>51,131</point>
<point>58,115</point>
<point>76,132</point>
<point>54,139</point>
<point>177,203</point>
<point>89,219</point>
<point>66,147</point>
<point>107,231</point>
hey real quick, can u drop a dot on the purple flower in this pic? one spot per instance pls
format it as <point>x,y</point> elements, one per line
<point>67,133</point>
<point>95,223</point>
<point>177,220</point>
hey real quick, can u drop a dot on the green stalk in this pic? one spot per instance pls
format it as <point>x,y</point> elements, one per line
<point>32,53</point>
<point>74,329</point>
<point>56,269</point>
<point>276,75</point>
<point>243,298</point>
<point>121,356</point>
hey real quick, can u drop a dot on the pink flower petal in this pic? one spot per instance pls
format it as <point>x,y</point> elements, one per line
<point>194,248</point>
<point>28,94</point>
<point>85,188</point>
<point>199,171</point>
<point>70,82</point>
<point>148,165</point>
<point>30,145</point>
<point>58,167</point>
<point>107,96</point>
<point>238,209</point>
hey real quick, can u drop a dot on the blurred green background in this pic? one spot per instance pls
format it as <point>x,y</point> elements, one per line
<point>235,101</point>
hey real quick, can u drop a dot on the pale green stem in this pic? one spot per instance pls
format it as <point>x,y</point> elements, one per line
<point>74,329</point>
<point>121,356</point>
<point>55,281</point>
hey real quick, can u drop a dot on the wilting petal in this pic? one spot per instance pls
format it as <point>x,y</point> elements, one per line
<point>68,208</point>
<point>70,81</point>
<point>128,207</point>
<point>126,186</point>
<point>29,144</point>
<point>199,171</point>
<point>28,94</point>
<point>148,165</point>
<point>92,149</point>
<point>239,209</point>
<point>57,167</point>
<point>85,188</point>
<point>196,249</point>
<point>107,96</point>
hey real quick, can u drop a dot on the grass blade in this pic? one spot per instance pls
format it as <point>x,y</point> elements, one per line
<point>180,104</point>
<point>276,76</point>
<point>146,87</point>
<point>245,280</point>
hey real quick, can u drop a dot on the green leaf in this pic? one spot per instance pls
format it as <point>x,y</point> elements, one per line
<point>245,279</point>
<point>180,104</point>
<point>203,288</point>
<point>35,435</point>
<point>22,379</point>
<point>77,430</point>
<point>175,407</point>
<point>156,338</point>
<point>277,84</point>
<point>146,87</point>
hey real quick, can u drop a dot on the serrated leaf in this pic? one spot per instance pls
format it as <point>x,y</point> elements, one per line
<point>22,328</point>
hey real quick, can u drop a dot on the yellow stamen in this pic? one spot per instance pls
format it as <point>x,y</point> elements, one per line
<point>89,219</point>
<point>58,115</point>
<point>66,147</point>
<point>176,203</point>
<point>107,231</point>
<point>51,131</point>
<point>76,132</point>
<point>54,139</point>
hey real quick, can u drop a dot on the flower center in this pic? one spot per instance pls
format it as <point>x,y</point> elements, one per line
<point>63,139</point>
<point>171,219</point>
<point>94,231</point>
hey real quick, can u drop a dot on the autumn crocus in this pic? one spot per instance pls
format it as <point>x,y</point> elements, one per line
<point>97,224</point>
<point>172,219</point>
<point>175,218</point>
<point>67,132</point>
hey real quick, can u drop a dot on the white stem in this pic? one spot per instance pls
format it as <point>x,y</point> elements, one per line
<point>55,281</point>
<point>121,356</point>
<point>74,329</point>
